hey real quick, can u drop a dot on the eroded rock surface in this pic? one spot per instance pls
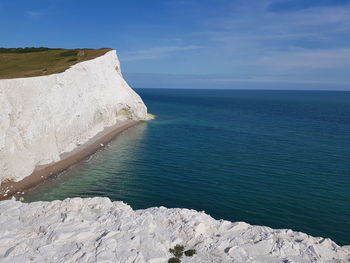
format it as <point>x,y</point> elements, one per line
<point>98,230</point>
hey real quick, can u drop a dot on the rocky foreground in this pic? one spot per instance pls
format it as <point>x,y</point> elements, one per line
<point>98,230</point>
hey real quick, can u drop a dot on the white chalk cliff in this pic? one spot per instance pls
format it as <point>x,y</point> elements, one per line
<point>98,230</point>
<point>43,117</point>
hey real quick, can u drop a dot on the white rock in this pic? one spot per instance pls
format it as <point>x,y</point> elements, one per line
<point>98,230</point>
<point>38,115</point>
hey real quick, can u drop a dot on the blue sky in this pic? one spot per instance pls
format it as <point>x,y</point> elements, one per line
<point>283,44</point>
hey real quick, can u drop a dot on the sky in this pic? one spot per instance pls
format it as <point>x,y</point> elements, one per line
<point>239,44</point>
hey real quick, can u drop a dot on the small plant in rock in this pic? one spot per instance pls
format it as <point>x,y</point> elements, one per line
<point>177,251</point>
<point>174,260</point>
<point>190,252</point>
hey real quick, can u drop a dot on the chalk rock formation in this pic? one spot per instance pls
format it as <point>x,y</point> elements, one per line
<point>43,117</point>
<point>98,230</point>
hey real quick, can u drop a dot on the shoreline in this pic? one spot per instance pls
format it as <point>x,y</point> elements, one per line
<point>80,153</point>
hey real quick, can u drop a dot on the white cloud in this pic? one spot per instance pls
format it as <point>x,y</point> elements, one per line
<point>308,59</point>
<point>155,53</point>
<point>257,44</point>
<point>34,13</point>
<point>305,43</point>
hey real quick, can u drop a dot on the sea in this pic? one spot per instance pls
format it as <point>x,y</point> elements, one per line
<point>275,158</point>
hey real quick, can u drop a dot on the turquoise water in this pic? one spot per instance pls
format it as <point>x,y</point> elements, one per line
<point>274,158</point>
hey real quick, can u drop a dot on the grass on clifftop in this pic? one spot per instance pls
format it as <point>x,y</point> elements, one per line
<point>31,62</point>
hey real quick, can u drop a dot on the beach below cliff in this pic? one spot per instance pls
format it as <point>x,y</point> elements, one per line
<point>81,152</point>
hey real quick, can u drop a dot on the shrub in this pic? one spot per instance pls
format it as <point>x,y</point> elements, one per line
<point>190,252</point>
<point>23,50</point>
<point>178,251</point>
<point>69,53</point>
<point>174,260</point>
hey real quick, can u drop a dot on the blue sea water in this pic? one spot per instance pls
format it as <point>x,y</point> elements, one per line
<point>274,158</point>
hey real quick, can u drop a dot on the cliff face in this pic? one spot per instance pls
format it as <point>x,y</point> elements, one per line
<point>43,117</point>
<point>98,230</point>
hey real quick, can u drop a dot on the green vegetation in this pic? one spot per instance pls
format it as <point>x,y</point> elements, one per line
<point>69,53</point>
<point>31,61</point>
<point>174,260</point>
<point>23,50</point>
<point>72,59</point>
<point>190,252</point>
<point>178,252</point>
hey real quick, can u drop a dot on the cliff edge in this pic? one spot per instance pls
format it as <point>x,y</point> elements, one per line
<point>98,230</point>
<point>45,116</point>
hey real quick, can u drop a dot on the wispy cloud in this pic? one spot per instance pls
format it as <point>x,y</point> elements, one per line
<point>320,21</point>
<point>305,59</point>
<point>260,41</point>
<point>155,52</point>
<point>144,80</point>
<point>300,43</point>
<point>52,4</point>
<point>34,13</point>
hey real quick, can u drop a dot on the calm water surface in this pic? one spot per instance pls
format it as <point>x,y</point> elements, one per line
<point>274,158</point>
